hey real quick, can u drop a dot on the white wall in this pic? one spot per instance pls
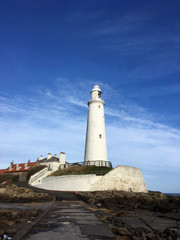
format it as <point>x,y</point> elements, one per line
<point>54,166</point>
<point>120,178</point>
<point>69,182</point>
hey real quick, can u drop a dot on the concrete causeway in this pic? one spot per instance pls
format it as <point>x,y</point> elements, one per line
<point>68,220</point>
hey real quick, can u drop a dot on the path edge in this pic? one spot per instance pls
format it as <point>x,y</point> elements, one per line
<point>22,232</point>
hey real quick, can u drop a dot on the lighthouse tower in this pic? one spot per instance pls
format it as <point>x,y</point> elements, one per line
<point>95,149</point>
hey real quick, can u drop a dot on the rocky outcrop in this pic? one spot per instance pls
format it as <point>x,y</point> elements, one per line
<point>11,221</point>
<point>129,215</point>
<point>122,178</point>
<point>13,193</point>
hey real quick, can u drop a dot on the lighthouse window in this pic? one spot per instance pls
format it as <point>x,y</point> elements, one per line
<point>99,106</point>
<point>100,136</point>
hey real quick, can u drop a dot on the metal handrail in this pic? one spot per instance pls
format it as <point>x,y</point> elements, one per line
<point>38,174</point>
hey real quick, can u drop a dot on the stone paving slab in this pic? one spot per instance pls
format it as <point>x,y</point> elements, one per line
<point>69,220</point>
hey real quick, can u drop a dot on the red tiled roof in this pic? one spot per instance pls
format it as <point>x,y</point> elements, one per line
<point>22,167</point>
<point>2,171</point>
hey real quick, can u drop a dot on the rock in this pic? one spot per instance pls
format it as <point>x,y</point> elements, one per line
<point>171,233</point>
<point>144,215</point>
<point>2,190</point>
<point>134,223</point>
<point>123,232</point>
<point>28,190</point>
<point>21,220</point>
<point>1,232</point>
<point>11,220</point>
<point>98,204</point>
<point>14,193</point>
<point>177,233</point>
<point>151,236</point>
<point>143,236</point>
<point>11,231</point>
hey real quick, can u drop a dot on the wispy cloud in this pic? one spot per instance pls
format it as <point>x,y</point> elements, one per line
<point>58,123</point>
<point>77,102</point>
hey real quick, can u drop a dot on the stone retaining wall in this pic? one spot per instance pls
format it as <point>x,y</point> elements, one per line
<point>120,178</point>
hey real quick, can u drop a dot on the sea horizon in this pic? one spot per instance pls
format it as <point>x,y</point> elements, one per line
<point>172,194</point>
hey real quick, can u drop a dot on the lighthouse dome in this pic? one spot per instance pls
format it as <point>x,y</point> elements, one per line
<point>96,88</point>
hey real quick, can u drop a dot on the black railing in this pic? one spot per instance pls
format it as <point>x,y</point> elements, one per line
<point>98,163</point>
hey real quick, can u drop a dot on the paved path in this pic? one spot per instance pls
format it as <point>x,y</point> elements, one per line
<point>69,220</point>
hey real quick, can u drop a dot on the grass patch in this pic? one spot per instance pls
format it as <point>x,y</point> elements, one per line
<point>77,170</point>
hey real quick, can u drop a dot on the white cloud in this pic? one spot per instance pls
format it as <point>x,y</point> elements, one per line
<point>77,102</point>
<point>57,122</point>
<point>155,151</point>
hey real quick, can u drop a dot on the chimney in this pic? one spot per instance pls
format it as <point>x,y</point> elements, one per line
<point>29,161</point>
<point>10,167</point>
<point>17,167</point>
<point>55,155</point>
<point>41,157</point>
<point>62,158</point>
<point>48,155</point>
<point>26,166</point>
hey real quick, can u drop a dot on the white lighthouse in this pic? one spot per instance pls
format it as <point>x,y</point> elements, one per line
<point>95,149</point>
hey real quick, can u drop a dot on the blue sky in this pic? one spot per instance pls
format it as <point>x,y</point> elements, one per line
<point>51,55</point>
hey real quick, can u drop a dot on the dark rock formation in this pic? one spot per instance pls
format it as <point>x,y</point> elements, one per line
<point>129,215</point>
<point>11,221</point>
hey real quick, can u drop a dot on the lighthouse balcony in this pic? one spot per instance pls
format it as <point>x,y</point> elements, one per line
<point>98,163</point>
